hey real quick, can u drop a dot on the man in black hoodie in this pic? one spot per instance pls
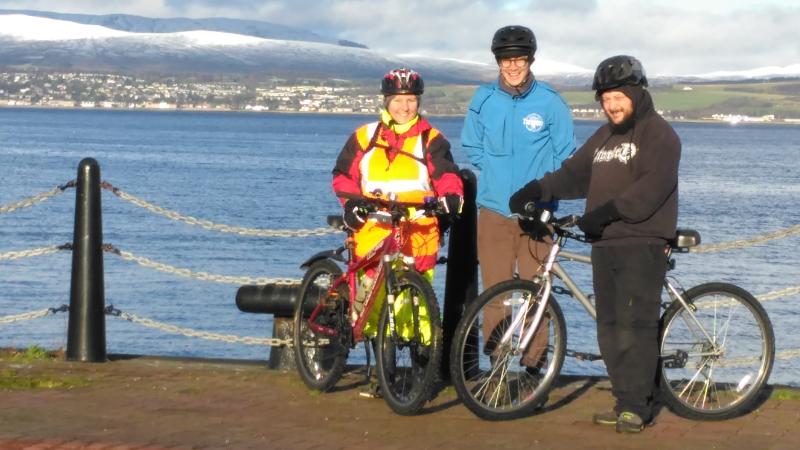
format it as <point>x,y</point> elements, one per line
<point>628,173</point>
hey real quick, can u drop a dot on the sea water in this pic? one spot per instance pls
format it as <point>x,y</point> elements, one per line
<point>274,171</point>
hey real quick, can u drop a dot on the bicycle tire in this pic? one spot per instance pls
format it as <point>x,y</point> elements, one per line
<point>321,359</point>
<point>495,385</point>
<point>408,359</point>
<point>700,386</point>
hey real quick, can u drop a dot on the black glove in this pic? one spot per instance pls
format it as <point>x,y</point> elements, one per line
<point>354,213</point>
<point>593,222</point>
<point>536,229</point>
<point>452,205</point>
<point>531,192</point>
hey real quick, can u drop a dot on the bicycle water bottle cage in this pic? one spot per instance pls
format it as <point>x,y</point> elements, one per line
<point>684,240</point>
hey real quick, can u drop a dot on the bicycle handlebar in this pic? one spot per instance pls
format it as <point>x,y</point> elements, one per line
<point>561,225</point>
<point>430,206</point>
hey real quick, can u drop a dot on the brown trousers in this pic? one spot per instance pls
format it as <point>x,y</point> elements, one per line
<point>503,249</point>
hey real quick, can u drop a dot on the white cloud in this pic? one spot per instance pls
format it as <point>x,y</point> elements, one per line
<point>670,36</point>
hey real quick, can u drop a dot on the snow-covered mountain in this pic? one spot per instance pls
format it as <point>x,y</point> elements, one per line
<point>761,73</point>
<point>138,24</point>
<point>28,41</point>
<point>124,43</point>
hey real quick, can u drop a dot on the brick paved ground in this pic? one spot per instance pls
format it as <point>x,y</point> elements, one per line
<point>151,403</point>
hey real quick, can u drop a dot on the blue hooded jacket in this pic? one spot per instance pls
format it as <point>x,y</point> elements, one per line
<point>515,139</point>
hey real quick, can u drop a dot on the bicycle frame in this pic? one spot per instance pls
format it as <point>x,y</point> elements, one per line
<point>381,256</point>
<point>552,267</point>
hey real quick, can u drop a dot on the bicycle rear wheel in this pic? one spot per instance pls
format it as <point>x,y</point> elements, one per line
<point>701,382</point>
<point>408,358</point>
<point>320,358</point>
<point>498,381</point>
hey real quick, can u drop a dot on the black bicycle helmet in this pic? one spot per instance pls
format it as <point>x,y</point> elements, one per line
<point>402,81</point>
<point>618,71</point>
<point>513,40</point>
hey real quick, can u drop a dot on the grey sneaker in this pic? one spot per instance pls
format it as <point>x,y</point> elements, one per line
<point>605,418</point>
<point>629,422</point>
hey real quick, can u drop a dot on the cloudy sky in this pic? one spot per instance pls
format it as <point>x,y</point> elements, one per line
<point>669,36</point>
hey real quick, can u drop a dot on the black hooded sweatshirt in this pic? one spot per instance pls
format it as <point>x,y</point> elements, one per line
<point>635,166</point>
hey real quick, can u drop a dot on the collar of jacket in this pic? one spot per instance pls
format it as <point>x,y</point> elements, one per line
<point>395,135</point>
<point>518,91</point>
<point>387,120</point>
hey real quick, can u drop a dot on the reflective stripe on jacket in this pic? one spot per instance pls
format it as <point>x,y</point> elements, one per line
<point>402,173</point>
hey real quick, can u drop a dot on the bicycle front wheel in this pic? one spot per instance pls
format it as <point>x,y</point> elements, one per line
<point>320,357</point>
<point>501,381</point>
<point>713,368</point>
<point>408,356</point>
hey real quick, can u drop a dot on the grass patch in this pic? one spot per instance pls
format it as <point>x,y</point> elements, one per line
<point>30,354</point>
<point>10,379</point>
<point>785,394</point>
<point>703,100</point>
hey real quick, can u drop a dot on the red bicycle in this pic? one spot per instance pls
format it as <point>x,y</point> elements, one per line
<point>328,321</point>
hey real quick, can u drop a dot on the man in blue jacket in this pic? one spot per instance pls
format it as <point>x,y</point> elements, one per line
<point>516,129</point>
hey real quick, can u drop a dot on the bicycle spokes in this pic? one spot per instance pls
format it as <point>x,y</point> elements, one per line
<point>496,374</point>
<point>716,353</point>
<point>409,342</point>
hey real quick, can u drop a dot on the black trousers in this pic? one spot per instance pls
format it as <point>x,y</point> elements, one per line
<point>627,284</point>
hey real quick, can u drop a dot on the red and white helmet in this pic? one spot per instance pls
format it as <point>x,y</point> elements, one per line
<point>402,81</point>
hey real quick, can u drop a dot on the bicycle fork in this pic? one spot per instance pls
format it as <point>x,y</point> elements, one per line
<point>545,287</point>
<point>391,282</point>
<point>690,310</point>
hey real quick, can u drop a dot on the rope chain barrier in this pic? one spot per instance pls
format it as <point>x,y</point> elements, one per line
<point>38,198</point>
<point>258,232</point>
<point>781,293</point>
<point>788,354</point>
<point>241,280</point>
<point>33,314</point>
<point>788,292</point>
<point>34,252</point>
<point>188,332</point>
<point>202,276</point>
<point>743,243</point>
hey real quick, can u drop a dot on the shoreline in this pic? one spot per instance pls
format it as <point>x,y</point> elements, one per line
<point>354,113</point>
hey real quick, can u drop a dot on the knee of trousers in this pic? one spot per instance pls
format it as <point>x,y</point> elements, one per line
<point>641,338</point>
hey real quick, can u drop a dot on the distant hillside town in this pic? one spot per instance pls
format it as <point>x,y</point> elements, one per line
<point>91,90</point>
<point>116,91</point>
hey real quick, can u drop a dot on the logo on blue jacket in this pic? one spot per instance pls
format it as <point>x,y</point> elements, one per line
<point>533,122</point>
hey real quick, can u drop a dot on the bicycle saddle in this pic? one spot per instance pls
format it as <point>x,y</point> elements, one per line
<point>685,239</point>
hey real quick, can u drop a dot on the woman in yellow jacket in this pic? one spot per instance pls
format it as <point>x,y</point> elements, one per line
<point>404,158</point>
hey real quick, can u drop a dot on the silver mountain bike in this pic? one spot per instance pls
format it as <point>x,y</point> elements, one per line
<point>716,342</point>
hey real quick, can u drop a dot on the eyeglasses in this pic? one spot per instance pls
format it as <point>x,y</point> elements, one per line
<point>517,62</point>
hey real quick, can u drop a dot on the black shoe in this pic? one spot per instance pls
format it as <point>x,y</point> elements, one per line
<point>629,422</point>
<point>605,418</point>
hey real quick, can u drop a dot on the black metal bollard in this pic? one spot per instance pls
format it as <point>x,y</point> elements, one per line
<point>461,281</point>
<point>280,301</point>
<point>86,336</point>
